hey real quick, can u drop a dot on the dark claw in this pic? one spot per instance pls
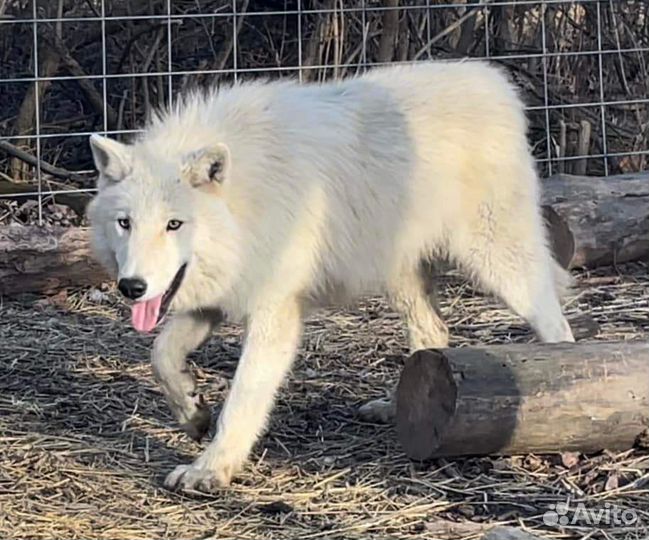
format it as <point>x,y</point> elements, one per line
<point>200,422</point>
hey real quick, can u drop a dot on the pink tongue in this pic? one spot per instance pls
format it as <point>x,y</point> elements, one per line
<point>144,315</point>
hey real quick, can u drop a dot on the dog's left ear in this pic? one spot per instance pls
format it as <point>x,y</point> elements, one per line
<point>209,165</point>
<point>112,159</point>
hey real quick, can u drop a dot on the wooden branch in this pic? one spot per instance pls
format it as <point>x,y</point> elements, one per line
<point>92,8</point>
<point>145,67</point>
<point>523,398</point>
<point>469,14</point>
<point>28,158</point>
<point>597,221</point>
<point>583,147</point>
<point>137,35</point>
<point>39,259</point>
<point>23,192</point>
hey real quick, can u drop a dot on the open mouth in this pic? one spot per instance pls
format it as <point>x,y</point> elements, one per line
<point>171,292</point>
<point>148,314</point>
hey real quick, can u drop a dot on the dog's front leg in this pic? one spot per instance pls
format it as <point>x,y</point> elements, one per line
<point>272,337</point>
<point>182,334</point>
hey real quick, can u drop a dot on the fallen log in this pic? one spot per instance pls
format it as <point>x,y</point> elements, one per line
<point>45,259</point>
<point>597,221</point>
<point>524,398</point>
<point>592,222</point>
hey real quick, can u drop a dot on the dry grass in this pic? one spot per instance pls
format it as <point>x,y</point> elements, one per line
<point>85,437</point>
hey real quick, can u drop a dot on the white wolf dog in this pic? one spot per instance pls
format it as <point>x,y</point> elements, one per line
<point>262,200</point>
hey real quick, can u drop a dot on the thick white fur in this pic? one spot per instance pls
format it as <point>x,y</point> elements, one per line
<point>327,191</point>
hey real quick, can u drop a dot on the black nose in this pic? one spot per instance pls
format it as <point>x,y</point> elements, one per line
<point>132,288</point>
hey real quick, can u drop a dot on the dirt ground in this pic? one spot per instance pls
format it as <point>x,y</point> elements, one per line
<point>86,438</point>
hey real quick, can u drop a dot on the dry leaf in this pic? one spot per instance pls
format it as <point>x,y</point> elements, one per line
<point>59,299</point>
<point>569,459</point>
<point>631,164</point>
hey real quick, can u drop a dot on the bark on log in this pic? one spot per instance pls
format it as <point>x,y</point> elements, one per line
<point>39,259</point>
<point>597,221</point>
<point>517,399</point>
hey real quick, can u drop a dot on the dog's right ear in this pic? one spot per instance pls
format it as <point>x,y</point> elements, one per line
<point>207,166</point>
<point>112,159</point>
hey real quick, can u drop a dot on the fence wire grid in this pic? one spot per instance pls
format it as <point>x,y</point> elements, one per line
<point>69,68</point>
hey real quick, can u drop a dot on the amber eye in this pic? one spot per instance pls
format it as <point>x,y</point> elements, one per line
<point>174,225</point>
<point>124,223</point>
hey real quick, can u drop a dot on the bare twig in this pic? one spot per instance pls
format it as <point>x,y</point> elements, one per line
<point>31,160</point>
<point>470,13</point>
<point>222,60</point>
<point>145,67</point>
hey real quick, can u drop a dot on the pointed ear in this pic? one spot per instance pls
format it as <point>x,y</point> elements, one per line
<point>207,166</point>
<point>112,159</point>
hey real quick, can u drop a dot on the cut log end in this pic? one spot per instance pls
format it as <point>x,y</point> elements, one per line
<point>595,221</point>
<point>424,411</point>
<point>524,398</point>
<point>562,241</point>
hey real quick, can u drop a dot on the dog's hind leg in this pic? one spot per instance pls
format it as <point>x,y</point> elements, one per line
<point>414,295</point>
<point>529,290</point>
<point>183,334</point>
<point>508,256</point>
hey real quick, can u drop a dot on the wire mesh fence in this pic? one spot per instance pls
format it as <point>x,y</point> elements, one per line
<point>69,68</point>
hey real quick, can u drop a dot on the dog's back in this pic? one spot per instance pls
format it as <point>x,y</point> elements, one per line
<point>353,180</point>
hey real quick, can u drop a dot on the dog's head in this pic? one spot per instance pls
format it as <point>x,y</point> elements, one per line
<point>144,218</point>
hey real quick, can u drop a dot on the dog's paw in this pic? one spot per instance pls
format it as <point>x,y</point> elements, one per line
<point>199,424</point>
<point>200,477</point>
<point>381,411</point>
<point>192,478</point>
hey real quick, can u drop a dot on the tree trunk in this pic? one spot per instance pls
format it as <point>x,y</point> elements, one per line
<point>390,32</point>
<point>517,399</point>
<point>597,221</point>
<point>38,259</point>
